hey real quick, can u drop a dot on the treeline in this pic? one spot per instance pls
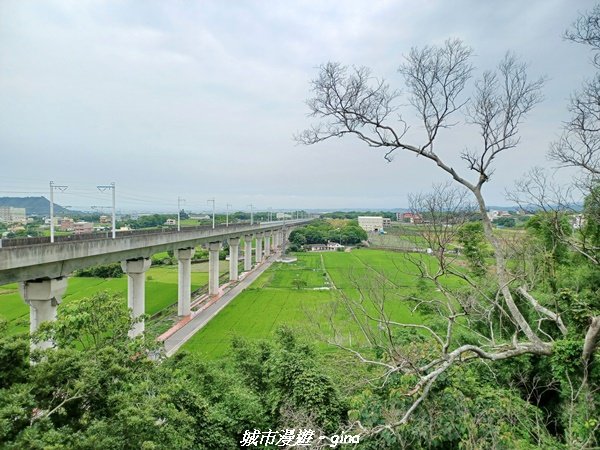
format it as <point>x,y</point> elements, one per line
<point>101,271</point>
<point>322,231</point>
<point>353,215</point>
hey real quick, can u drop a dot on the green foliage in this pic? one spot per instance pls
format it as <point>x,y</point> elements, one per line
<point>472,239</point>
<point>320,232</point>
<point>466,409</point>
<point>285,371</point>
<point>150,221</point>
<point>102,271</point>
<point>355,214</point>
<point>565,359</point>
<point>577,308</point>
<point>550,229</point>
<point>591,210</point>
<point>161,260</point>
<point>505,222</point>
<point>297,238</point>
<point>100,389</point>
<point>91,322</point>
<point>299,283</point>
<point>14,355</point>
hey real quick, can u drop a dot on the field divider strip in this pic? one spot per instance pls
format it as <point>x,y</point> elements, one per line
<point>196,323</point>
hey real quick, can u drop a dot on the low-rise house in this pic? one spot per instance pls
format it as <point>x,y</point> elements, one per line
<point>83,227</point>
<point>171,222</point>
<point>329,247</point>
<point>409,217</point>
<point>66,224</point>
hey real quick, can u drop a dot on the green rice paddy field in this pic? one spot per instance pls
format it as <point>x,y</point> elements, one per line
<point>275,300</point>
<point>161,292</point>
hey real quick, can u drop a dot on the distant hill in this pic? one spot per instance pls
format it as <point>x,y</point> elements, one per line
<point>34,206</point>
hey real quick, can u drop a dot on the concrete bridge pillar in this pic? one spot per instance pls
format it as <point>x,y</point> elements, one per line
<point>43,297</point>
<point>234,255</point>
<point>136,294</point>
<point>213,267</point>
<point>247,252</point>
<point>267,244</point>
<point>184,286</point>
<point>259,241</point>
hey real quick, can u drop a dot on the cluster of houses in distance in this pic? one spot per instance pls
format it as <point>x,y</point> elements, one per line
<point>16,219</point>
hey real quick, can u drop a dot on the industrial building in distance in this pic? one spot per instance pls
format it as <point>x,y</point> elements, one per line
<point>9,214</point>
<point>374,223</point>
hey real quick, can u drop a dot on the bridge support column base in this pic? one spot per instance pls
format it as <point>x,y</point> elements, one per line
<point>267,245</point>
<point>234,254</point>
<point>136,295</point>
<point>259,241</point>
<point>213,267</point>
<point>248,252</point>
<point>43,298</point>
<point>184,286</point>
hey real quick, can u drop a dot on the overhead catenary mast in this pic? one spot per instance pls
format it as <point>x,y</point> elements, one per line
<point>52,187</point>
<point>106,187</point>
<point>179,200</point>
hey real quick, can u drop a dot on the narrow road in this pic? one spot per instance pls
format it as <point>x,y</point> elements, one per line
<point>181,336</point>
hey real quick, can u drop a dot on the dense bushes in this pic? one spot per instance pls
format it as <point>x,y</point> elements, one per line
<point>103,271</point>
<point>320,232</point>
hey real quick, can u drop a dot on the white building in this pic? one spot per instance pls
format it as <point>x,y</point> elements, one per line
<point>280,216</point>
<point>329,247</point>
<point>577,221</point>
<point>9,214</point>
<point>370,223</point>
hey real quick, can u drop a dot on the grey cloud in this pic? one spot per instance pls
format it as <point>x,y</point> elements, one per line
<point>201,99</point>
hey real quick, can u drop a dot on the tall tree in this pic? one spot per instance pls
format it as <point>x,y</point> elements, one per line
<point>351,102</point>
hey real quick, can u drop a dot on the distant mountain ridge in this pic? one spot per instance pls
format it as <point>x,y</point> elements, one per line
<point>34,206</point>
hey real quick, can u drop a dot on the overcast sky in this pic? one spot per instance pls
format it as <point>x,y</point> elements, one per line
<point>200,99</point>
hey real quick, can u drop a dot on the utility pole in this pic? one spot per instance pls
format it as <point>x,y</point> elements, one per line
<point>213,203</point>
<point>227,215</point>
<point>100,210</point>
<point>251,214</point>
<point>179,200</point>
<point>61,189</point>
<point>270,214</point>
<point>106,187</point>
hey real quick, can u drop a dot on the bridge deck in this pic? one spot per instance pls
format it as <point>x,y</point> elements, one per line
<point>36,260</point>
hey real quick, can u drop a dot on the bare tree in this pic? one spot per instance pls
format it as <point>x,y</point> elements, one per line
<point>349,101</point>
<point>579,146</point>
